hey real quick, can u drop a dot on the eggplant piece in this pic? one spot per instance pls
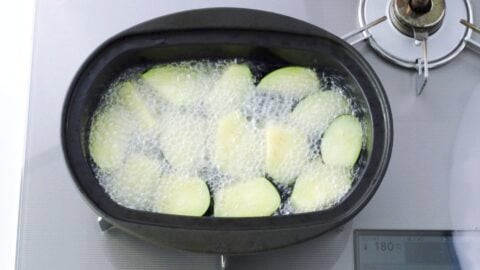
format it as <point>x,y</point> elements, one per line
<point>182,140</point>
<point>134,183</point>
<point>187,196</point>
<point>109,137</point>
<point>320,187</point>
<point>178,84</point>
<point>231,89</point>
<point>314,113</point>
<point>128,94</point>
<point>291,81</point>
<point>253,197</point>
<point>238,150</point>
<point>342,141</point>
<point>287,150</point>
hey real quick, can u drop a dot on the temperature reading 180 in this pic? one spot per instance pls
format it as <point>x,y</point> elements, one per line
<point>385,246</point>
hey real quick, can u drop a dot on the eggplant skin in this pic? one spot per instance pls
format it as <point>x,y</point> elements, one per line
<point>342,141</point>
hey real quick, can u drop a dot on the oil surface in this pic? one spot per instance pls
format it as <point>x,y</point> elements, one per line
<point>217,137</point>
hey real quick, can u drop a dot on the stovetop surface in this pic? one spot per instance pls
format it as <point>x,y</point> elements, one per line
<point>432,182</point>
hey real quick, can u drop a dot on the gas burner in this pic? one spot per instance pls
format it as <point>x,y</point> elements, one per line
<point>395,40</point>
<point>403,40</point>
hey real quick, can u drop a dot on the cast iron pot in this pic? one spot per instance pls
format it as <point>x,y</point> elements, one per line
<point>225,33</point>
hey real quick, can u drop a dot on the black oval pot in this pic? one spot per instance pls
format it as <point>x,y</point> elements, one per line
<point>259,36</point>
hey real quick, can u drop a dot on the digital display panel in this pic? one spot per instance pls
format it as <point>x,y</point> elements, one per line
<point>414,249</point>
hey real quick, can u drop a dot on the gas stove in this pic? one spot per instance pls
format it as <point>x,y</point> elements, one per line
<point>425,213</point>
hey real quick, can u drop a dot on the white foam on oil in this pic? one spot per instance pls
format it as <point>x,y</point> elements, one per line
<point>168,139</point>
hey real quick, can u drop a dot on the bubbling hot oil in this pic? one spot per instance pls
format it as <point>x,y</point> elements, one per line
<point>181,140</point>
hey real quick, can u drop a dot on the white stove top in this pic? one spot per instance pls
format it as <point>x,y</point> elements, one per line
<point>432,182</point>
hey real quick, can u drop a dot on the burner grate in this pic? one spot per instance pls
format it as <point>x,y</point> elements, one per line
<point>417,34</point>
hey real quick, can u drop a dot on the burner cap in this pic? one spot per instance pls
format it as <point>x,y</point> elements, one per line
<point>410,16</point>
